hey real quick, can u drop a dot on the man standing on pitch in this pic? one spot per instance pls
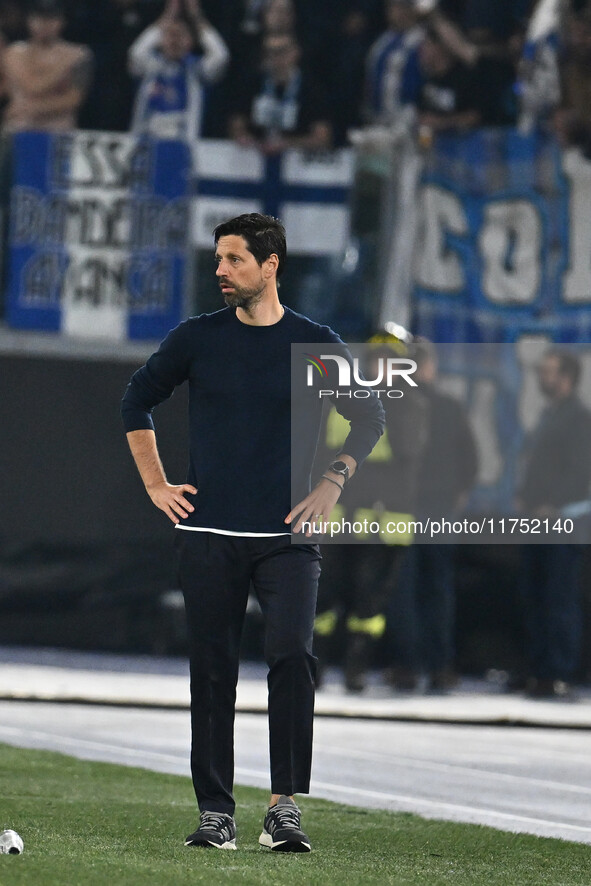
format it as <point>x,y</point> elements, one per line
<point>236,517</point>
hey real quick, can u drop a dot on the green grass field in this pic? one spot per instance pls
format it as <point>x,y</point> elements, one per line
<point>93,824</point>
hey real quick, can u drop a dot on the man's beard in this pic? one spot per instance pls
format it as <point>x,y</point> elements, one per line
<point>244,298</point>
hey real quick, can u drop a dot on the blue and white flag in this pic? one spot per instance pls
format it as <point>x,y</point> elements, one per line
<point>98,234</point>
<point>309,192</point>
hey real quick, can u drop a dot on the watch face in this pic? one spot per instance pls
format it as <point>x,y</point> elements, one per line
<point>339,466</point>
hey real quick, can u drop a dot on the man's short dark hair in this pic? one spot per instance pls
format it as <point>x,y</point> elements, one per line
<point>569,364</point>
<point>263,234</point>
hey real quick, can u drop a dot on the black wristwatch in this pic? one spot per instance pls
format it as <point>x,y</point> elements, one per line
<point>340,467</point>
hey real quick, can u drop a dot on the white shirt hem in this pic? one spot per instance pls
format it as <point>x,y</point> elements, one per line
<point>229,532</point>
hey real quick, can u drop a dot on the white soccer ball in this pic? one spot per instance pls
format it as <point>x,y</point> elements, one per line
<point>11,843</point>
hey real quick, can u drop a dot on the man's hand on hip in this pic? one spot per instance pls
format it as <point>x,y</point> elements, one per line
<point>171,499</point>
<point>316,507</point>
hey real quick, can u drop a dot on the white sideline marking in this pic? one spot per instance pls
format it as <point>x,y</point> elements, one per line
<point>451,807</point>
<point>427,805</point>
<point>66,740</point>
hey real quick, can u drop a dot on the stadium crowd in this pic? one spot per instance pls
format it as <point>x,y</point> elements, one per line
<point>276,73</point>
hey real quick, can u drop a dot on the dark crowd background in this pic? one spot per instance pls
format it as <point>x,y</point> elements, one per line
<point>485,39</point>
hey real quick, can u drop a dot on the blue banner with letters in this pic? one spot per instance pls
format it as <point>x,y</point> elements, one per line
<point>503,249</point>
<point>98,234</point>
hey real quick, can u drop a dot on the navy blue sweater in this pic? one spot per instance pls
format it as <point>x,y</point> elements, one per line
<point>240,416</point>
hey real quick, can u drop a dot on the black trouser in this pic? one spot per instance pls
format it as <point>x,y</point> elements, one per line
<point>216,572</point>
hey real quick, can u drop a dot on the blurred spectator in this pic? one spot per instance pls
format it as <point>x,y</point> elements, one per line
<point>116,88</point>
<point>450,95</point>
<point>245,23</point>
<point>46,77</point>
<point>344,61</point>
<point>321,25</point>
<point>169,103</point>
<point>492,63</point>
<point>391,61</point>
<point>3,85</point>
<point>493,22</point>
<point>573,119</point>
<point>109,27</point>
<point>358,579</point>
<point>333,37</point>
<point>557,472</point>
<point>278,17</point>
<point>282,106</point>
<point>252,20</point>
<point>260,18</point>
<point>423,601</point>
